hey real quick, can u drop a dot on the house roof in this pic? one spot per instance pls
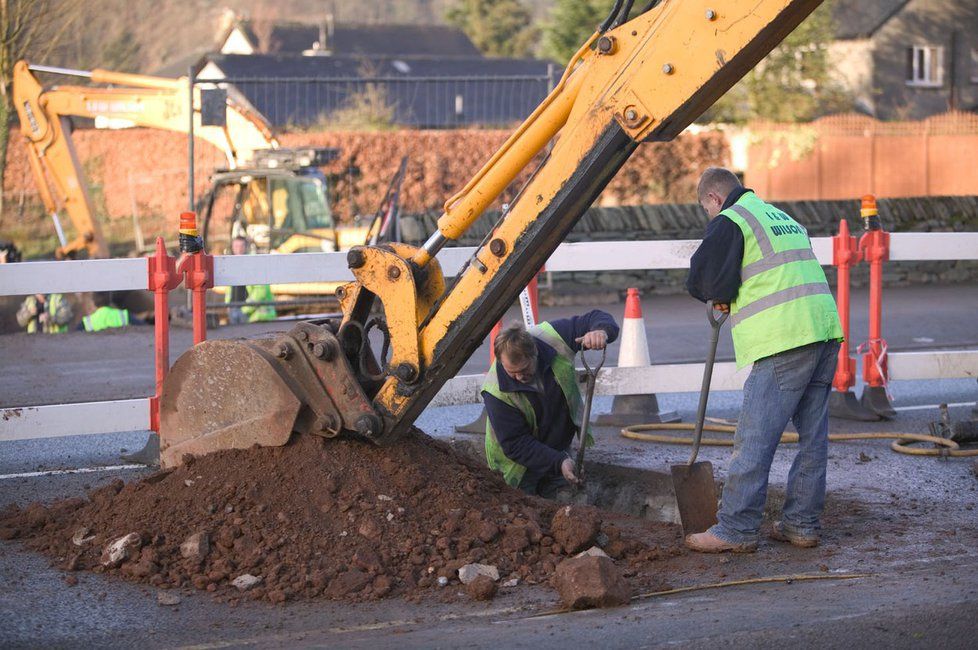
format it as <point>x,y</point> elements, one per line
<point>861,18</point>
<point>372,40</point>
<point>425,92</point>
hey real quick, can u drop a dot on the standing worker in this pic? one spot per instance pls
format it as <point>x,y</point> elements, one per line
<point>258,293</point>
<point>757,263</point>
<point>49,313</point>
<point>106,315</point>
<point>534,402</point>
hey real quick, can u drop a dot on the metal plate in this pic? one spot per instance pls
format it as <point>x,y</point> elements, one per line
<point>223,395</point>
<point>696,496</point>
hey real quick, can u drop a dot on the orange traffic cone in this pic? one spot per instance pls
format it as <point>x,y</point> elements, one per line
<point>633,353</point>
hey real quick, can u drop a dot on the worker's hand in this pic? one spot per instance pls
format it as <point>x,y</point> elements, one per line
<point>43,318</point>
<point>567,469</point>
<point>594,340</point>
<point>721,307</point>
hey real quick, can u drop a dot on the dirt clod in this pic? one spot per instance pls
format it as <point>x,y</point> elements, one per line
<point>590,581</point>
<point>481,588</point>
<point>575,528</point>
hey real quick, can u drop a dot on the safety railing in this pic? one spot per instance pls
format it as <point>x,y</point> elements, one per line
<point>127,274</point>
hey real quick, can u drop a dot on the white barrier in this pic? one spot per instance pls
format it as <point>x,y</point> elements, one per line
<point>127,274</point>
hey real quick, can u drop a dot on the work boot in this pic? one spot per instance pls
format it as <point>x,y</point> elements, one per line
<point>709,543</point>
<point>782,534</point>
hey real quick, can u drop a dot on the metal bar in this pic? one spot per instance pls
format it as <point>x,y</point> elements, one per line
<point>67,276</point>
<point>85,418</point>
<point>70,72</point>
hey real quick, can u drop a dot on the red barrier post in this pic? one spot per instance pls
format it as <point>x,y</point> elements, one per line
<point>197,267</point>
<point>163,279</point>
<point>842,401</point>
<point>875,248</point>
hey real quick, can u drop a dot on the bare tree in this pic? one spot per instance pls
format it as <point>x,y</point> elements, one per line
<point>28,29</point>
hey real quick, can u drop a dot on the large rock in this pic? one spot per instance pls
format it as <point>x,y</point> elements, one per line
<point>196,547</point>
<point>470,572</point>
<point>589,581</point>
<point>245,581</point>
<point>120,550</point>
<point>481,588</point>
<point>575,528</point>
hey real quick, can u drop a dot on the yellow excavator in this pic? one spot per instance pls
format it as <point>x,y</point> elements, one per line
<point>638,78</point>
<point>276,197</point>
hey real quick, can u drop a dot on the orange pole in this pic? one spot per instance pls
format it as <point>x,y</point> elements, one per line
<point>845,253</point>
<point>163,278</point>
<point>875,248</point>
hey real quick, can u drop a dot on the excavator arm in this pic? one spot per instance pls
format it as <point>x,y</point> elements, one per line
<point>141,100</point>
<point>638,78</point>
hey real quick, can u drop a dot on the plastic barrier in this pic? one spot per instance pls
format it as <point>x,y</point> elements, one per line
<point>129,274</point>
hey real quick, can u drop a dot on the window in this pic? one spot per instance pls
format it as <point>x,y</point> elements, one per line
<point>925,66</point>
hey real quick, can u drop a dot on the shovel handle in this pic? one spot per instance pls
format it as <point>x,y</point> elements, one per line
<point>592,375</point>
<point>711,354</point>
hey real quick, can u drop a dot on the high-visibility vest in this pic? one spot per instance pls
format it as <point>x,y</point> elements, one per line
<point>51,307</point>
<point>256,293</point>
<point>563,369</point>
<point>105,318</point>
<point>784,301</point>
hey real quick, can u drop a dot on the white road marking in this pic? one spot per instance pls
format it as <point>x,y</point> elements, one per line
<point>79,470</point>
<point>923,407</point>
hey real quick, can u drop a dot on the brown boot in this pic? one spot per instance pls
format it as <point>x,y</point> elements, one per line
<point>709,543</point>
<point>781,534</point>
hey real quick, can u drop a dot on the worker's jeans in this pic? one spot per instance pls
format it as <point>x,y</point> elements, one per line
<point>793,385</point>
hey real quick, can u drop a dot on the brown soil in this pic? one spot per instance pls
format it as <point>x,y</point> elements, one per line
<point>337,519</point>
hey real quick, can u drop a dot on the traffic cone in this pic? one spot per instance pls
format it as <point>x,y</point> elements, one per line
<point>633,353</point>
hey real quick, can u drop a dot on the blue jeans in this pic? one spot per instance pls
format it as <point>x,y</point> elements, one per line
<point>792,385</point>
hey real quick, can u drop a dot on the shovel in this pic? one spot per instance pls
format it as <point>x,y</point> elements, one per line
<point>592,375</point>
<point>696,493</point>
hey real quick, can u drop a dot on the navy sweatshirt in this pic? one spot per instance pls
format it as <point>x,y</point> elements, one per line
<point>545,453</point>
<point>714,269</point>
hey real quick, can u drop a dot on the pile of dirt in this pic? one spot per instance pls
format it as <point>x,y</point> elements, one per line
<point>337,519</point>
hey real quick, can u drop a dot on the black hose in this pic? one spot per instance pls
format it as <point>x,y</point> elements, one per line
<point>623,14</point>
<point>606,24</point>
<point>651,5</point>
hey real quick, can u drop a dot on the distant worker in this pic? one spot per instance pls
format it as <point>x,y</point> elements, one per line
<point>49,313</point>
<point>106,315</point>
<point>534,402</point>
<point>255,293</point>
<point>756,263</point>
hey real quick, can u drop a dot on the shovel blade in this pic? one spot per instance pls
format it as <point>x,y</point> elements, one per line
<point>696,496</point>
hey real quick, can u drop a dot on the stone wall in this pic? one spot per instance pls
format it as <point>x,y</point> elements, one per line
<point>687,221</point>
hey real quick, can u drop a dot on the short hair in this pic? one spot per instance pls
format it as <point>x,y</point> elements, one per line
<point>240,237</point>
<point>717,180</point>
<point>516,342</point>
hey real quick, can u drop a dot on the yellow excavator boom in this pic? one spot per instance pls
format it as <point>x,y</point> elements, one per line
<point>639,78</point>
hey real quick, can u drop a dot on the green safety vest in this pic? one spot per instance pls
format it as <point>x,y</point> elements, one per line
<point>105,318</point>
<point>51,307</point>
<point>566,376</point>
<point>256,293</point>
<point>784,301</point>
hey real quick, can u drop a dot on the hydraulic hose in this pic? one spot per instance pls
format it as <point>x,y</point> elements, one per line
<point>901,441</point>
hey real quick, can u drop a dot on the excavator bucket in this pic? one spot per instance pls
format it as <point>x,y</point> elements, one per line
<point>249,404</point>
<point>235,394</point>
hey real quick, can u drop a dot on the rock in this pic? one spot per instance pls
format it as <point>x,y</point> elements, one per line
<point>591,582</point>
<point>470,572</point>
<point>481,588</point>
<point>167,599</point>
<point>120,550</point>
<point>442,581</point>
<point>512,582</point>
<point>515,538</point>
<point>196,547</point>
<point>575,528</point>
<point>347,582</point>
<point>82,536</point>
<point>245,581</point>
<point>594,551</point>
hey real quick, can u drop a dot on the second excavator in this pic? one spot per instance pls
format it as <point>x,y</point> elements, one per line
<point>644,75</point>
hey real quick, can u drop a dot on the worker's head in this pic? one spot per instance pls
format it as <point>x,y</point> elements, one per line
<point>714,187</point>
<point>239,246</point>
<point>517,352</point>
<point>101,298</point>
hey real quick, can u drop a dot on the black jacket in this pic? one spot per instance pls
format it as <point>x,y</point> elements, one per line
<point>714,270</point>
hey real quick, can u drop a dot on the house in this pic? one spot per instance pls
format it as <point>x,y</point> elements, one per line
<point>907,59</point>
<point>420,92</point>
<point>327,39</point>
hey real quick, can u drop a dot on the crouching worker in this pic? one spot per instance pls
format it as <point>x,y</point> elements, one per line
<point>534,402</point>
